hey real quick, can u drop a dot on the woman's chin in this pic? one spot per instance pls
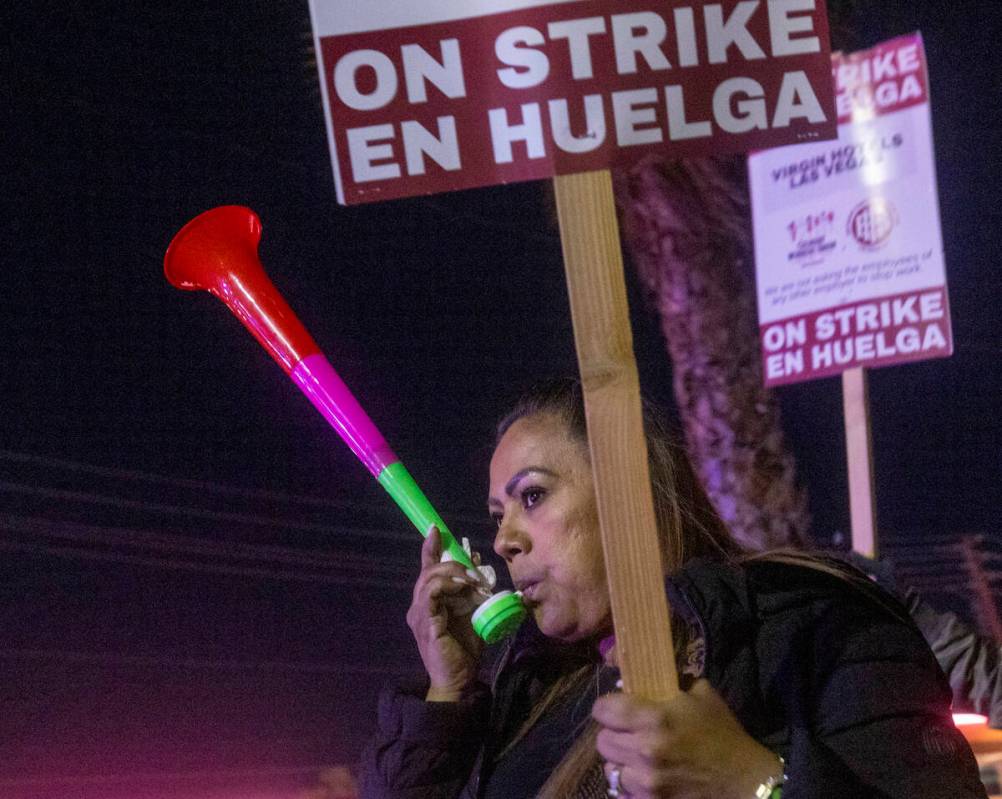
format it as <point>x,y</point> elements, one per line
<point>548,625</point>
<point>566,627</point>
<point>555,626</point>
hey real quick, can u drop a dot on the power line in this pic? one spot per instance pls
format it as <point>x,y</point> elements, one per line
<point>175,510</point>
<point>203,485</point>
<point>197,513</point>
<point>132,538</point>
<point>80,554</point>
<point>179,482</point>
<point>198,664</point>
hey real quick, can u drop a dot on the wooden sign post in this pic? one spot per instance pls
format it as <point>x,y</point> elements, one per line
<point>859,457</point>
<point>593,263</point>
<point>436,96</point>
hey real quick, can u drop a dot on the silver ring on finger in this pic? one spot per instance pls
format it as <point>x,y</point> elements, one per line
<point>615,789</point>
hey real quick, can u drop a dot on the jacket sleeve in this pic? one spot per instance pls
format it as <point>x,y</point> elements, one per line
<point>877,721</point>
<point>423,749</point>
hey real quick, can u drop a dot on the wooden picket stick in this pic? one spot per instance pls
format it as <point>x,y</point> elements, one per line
<point>859,454</point>
<point>593,262</point>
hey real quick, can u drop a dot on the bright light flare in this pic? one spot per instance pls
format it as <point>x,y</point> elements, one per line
<point>969,719</point>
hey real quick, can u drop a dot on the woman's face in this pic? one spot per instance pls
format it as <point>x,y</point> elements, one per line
<point>543,500</point>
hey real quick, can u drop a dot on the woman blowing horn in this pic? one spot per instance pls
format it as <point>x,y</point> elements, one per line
<point>800,677</point>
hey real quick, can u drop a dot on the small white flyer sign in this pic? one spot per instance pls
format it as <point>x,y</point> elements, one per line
<point>848,247</point>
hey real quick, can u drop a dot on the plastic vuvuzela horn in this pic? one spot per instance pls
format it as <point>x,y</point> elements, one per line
<point>217,251</point>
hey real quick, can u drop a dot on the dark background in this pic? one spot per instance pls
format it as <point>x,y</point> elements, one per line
<point>200,589</point>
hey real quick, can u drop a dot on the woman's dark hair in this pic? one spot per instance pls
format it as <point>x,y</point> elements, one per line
<point>688,525</point>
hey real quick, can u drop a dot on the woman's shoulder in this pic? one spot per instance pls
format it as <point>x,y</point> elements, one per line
<point>817,661</point>
<point>774,604</point>
<point>783,582</point>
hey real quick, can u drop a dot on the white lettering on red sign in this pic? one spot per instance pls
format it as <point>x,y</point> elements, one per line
<point>570,87</point>
<point>892,330</point>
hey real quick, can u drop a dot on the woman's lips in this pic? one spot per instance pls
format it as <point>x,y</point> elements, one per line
<point>528,591</point>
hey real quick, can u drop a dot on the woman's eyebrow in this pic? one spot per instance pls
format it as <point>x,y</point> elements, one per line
<point>521,474</point>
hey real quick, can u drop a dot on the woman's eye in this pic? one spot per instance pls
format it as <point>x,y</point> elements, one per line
<point>531,496</point>
<point>497,518</point>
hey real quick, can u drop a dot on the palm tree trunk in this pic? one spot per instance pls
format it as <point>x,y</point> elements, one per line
<point>687,227</point>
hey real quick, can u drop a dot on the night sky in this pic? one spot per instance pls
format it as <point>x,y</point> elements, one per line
<point>196,576</point>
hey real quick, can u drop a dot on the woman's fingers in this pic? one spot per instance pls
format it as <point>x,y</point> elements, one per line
<point>436,586</point>
<point>635,732</point>
<point>618,747</point>
<point>691,745</point>
<point>431,549</point>
<point>443,599</point>
<point>442,578</point>
<point>646,783</point>
<point>647,750</point>
<point>627,713</point>
<point>432,567</point>
<point>432,598</point>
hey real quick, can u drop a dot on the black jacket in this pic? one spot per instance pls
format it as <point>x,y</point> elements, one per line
<point>830,674</point>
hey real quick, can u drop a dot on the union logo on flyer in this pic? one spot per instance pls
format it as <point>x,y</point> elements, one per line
<point>812,236</point>
<point>872,222</point>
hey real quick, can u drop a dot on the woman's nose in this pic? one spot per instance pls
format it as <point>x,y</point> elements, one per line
<point>508,543</point>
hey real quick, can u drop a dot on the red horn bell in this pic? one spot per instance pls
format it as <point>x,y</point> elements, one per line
<point>217,251</point>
